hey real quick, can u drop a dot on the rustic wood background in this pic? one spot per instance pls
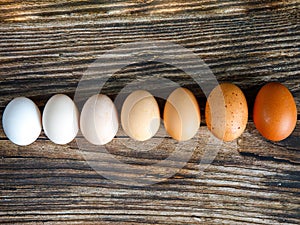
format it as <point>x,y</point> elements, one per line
<point>45,46</point>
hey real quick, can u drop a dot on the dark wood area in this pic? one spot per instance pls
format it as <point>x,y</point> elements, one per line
<point>45,48</point>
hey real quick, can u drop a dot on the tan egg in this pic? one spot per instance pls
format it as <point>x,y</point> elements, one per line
<point>99,119</point>
<point>182,115</point>
<point>226,112</point>
<point>140,116</point>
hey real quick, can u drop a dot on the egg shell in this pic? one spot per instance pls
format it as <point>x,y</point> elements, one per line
<point>181,115</point>
<point>99,120</point>
<point>140,116</point>
<point>60,119</point>
<point>275,112</point>
<point>226,112</point>
<point>21,121</point>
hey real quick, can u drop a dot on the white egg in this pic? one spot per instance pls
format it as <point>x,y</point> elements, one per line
<point>60,119</point>
<point>99,120</point>
<point>22,121</point>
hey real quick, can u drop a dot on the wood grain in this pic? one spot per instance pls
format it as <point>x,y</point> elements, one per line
<point>45,48</point>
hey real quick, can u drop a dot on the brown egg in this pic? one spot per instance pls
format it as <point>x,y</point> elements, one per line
<point>226,112</point>
<point>275,112</point>
<point>181,115</point>
<point>140,115</point>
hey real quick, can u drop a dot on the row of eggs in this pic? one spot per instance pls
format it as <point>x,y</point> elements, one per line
<point>226,112</point>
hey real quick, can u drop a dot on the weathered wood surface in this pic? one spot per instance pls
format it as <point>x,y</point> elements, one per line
<point>45,47</point>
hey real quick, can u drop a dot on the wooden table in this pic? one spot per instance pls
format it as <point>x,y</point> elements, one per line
<point>45,48</point>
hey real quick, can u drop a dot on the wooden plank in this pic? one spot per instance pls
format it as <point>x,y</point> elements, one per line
<point>16,11</point>
<point>45,47</point>
<point>55,183</point>
<point>253,143</point>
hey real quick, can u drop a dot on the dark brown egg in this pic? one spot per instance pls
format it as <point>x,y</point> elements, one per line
<point>275,112</point>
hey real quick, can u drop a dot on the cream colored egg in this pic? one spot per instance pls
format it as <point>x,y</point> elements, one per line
<point>99,120</point>
<point>226,112</point>
<point>21,121</point>
<point>182,115</point>
<point>140,116</point>
<point>60,119</point>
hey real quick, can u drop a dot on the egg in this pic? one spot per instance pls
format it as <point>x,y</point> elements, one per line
<point>226,112</point>
<point>99,120</point>
<point>275,112</point>
<point>140,116</point>
<point>60,119</point>
<point>21,121</point>
<point>181,115</point>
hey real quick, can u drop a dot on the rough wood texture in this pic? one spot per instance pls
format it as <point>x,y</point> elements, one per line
<point>45,47</point>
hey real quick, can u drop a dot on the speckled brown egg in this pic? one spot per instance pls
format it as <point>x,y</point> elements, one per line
<point>226,112</point>
<point>275,112</point>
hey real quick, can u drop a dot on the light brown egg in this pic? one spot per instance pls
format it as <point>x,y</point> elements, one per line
<point>275,112</point>
<point>140,116</point>
<point>182,115</point>
<point>226,112</point>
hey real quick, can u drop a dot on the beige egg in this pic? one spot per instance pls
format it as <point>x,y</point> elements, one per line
<point>226,112</point>
<point>99,120</point>
<point>182,115</point>
<point>140,117</point>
